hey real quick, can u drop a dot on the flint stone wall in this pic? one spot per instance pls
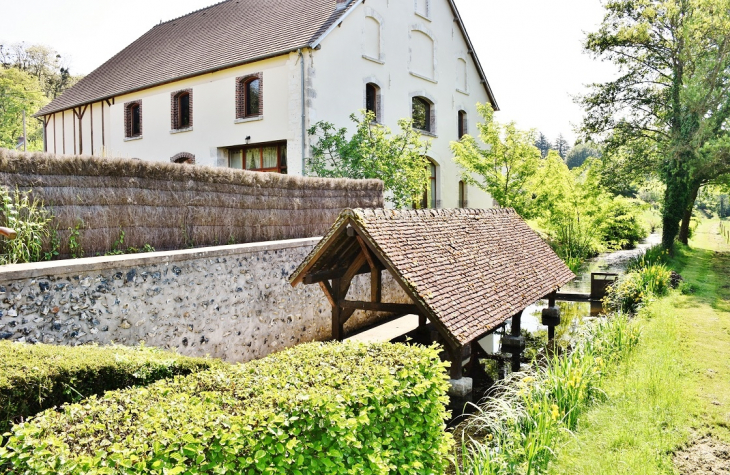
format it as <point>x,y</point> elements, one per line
<point>229,302</point>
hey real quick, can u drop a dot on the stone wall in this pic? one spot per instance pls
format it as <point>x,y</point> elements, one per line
<point>230,302</point>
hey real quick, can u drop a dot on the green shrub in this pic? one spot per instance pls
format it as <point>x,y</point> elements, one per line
<point>621,227</point>
<point>37,377</point>
<point>631,289</point>
<point>317,408</point>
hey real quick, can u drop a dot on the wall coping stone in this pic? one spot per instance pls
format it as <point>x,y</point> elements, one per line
<point>91,264</point>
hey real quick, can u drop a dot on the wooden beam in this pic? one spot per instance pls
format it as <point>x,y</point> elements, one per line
<point>102,125</point>
<point>54,133</point>
<point>91,122</point>
<point>73,122</point>
<point>352,271</point>
<point>337,325</point>
<point>63,130</point>
<point>324,275</point>
<point>325,286</point>
<point>376,285</point>
<point>404,308</point>
<point>345,315</point>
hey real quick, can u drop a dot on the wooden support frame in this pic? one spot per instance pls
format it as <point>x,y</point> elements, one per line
<point>80,115</point>
<point>46,120</point>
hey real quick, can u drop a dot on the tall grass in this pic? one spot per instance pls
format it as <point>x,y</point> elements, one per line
<point>30,219</point>
<point>517,427</point>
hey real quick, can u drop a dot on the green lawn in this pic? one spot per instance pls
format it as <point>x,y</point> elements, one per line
<point>675,388</point>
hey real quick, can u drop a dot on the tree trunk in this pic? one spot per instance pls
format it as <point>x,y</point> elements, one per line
<point>676,198</point>
<point>687,217</point>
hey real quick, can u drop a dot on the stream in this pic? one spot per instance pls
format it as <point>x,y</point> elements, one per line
<point>613,262</point>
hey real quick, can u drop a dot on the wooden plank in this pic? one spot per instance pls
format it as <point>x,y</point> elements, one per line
<point>405,308</point>
<point>566,297</point>
<point>325,286</point>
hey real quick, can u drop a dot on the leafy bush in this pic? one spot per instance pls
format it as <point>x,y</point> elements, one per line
<point>630,290</point>
<point>317,408</point>
<point>516,430</point>
<point>621,227</point>
<point>37,377</point>
<point>30,220</point>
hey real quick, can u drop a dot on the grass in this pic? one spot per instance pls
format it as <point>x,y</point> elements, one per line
<point>675,387</point>
<point>515,429</point>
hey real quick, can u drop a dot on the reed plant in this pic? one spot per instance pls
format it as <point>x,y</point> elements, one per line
<point>31,221</point>
<point>516,429</point>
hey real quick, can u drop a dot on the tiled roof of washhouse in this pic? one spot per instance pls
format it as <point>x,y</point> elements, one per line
<point>468,269</point>
<point>223,35</point>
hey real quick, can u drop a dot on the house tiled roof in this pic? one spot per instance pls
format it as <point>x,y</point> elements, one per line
<point>469,269</point>
<point>223,35</point>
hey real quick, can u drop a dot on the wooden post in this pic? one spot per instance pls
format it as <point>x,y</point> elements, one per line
<point>515,331</point>
<point>551,316</point>
<point>457,361</point>
<point>376,285</point>
<point>337,326</point>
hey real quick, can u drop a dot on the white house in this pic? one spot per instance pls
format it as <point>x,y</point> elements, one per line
<point>238,84</point>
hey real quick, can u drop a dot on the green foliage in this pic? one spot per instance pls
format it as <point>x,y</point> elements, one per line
<point>652,256</point>
<point>666,112</point>
<point>373,152</point>
<point>580,153</point>
<point>517,430</point>
<point>19,91</point>
<point>30,220</point>
<point>317,408</point>
<point>74,241</point>
<point>118,247</point>
<point>632,289</point>
<point>621,226</point>
<point>38,377</point>
<point>506,167</point>
<point>42,63</point>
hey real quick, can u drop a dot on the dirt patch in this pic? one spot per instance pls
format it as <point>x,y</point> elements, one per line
<point>705,456</point>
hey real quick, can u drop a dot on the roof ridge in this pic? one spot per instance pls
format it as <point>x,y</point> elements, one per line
<point>392,213</point>
<point>189,13</point>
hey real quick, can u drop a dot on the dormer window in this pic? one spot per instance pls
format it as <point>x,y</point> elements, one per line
<point>249,96</point>
<point>421,114</point>
<point>133,119</point>
<point>182,109</point>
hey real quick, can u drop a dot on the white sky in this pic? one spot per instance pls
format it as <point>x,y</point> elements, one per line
<point>530,49</point>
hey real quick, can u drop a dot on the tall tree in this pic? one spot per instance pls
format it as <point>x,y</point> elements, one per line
<point>505,167</point>
<point>561,146</point>
<point>19,91</point>
<point>43,63</point>
<point>673,92</point>
<point>580,153</point>
<point>543,144</point>
<point>373,151</point>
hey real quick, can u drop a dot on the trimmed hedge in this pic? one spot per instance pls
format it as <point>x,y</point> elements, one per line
<point>37,377</point>
<point>319,408</point>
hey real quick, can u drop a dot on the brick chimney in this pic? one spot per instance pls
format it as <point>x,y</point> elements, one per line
<point>342,4</point>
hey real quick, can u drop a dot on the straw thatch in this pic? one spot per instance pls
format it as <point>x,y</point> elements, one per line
<point>172,206</point>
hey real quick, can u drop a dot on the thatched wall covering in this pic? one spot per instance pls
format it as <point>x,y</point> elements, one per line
<point>172,206</point>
